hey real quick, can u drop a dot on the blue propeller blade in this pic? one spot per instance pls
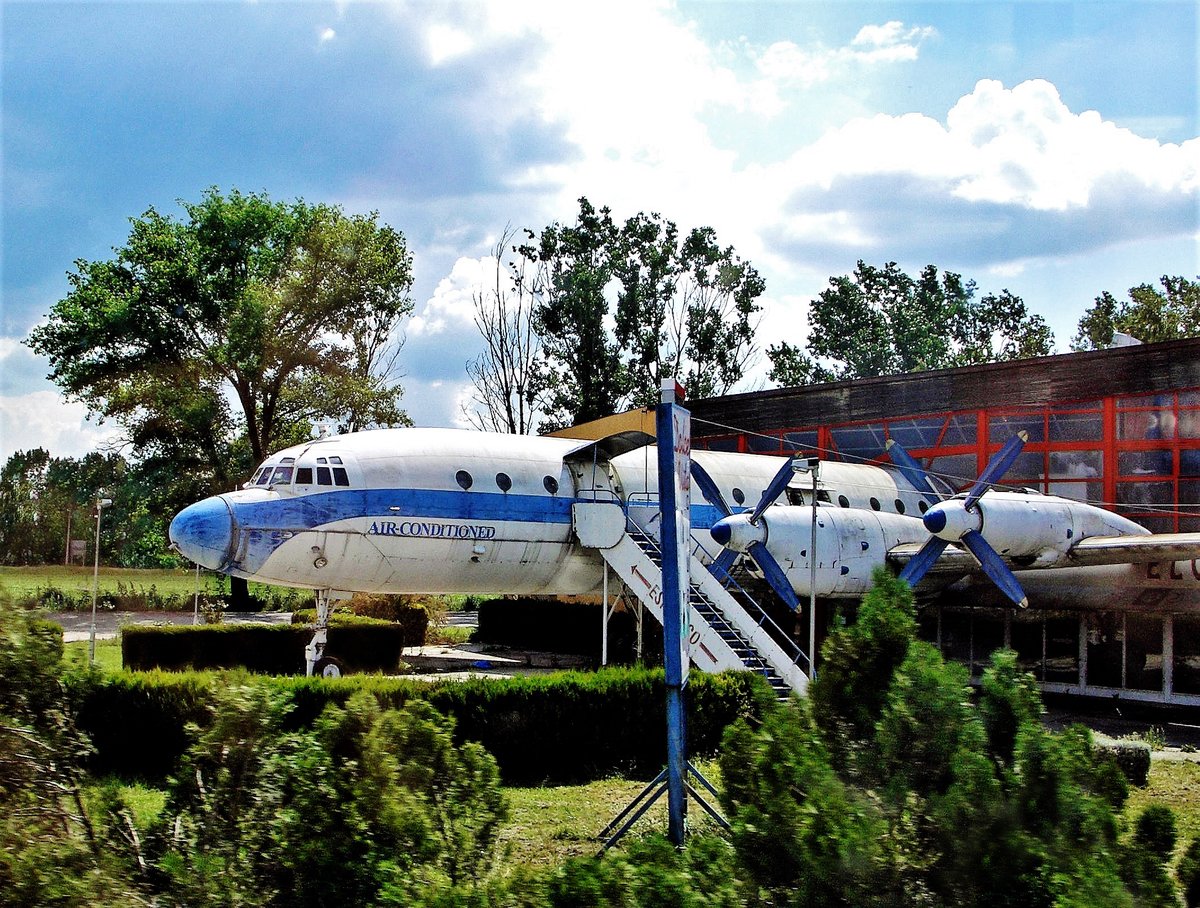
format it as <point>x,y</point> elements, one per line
<point>774,574</point>
<point>912,471</point>
<point>709,489</point>
<point>995,568</point>
<point>774,490</point>
<point>921,562</point>
<point>997,466</point>
<point>722,563</point>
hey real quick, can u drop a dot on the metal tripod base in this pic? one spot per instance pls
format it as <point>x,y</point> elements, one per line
<point>645,800</point>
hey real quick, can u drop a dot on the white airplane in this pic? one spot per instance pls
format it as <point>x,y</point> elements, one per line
<point>457,511</point>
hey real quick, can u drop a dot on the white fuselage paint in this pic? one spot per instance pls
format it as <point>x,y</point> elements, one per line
<point>405,523</point>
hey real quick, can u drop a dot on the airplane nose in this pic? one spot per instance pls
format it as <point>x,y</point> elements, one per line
<point>204,533</point>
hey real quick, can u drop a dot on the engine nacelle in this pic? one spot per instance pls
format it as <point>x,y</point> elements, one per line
<point>1025,525</point>
<point>851,543</point>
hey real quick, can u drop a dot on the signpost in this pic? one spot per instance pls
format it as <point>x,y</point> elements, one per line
<point>674,436</point>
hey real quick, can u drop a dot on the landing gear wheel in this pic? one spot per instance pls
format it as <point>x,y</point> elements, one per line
<point>327,667</point>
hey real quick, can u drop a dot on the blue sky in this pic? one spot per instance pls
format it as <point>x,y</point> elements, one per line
<point>1049,148</point>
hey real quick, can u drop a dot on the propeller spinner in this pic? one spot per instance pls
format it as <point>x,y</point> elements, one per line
<point>959,519</point>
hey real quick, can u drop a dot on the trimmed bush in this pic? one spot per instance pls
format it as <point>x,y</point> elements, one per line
<point>557,729</point>
<point>269,649</point>
<point>552,626</point>
<point>413,620</point>
<point>1131,757</point>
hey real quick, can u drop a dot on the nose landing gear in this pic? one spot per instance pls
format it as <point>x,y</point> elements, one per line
<point>317,662</point>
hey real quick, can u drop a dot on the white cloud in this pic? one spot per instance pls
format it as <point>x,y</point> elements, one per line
<point>452,306</point>
<point>44,419</point>
<point>327,34</point>
<point>1003,161</point>
<point>446,43</point>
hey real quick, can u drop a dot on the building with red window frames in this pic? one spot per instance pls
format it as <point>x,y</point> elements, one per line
<point>1118,427</point>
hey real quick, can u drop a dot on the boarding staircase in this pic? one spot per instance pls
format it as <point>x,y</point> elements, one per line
<point>727,628</point>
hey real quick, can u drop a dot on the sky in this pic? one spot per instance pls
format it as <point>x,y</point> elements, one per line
<point>1048,148</point>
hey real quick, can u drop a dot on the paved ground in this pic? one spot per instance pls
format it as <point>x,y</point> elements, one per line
<point>78,625</point>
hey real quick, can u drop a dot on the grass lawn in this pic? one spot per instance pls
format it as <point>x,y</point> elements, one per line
<point>108,654</point>
<point>1174,784</point>
<point>548,825</point>
<point>18,582</point>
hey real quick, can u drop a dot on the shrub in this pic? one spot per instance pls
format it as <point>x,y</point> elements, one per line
<point>413,620</point>
<point>561,728</point>
<point>1131,757</point>
<point>553,626</point>
<point>272,649</point>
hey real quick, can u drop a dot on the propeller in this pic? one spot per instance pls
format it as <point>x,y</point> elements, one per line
<point>746,531</point>
<point>959,519</point>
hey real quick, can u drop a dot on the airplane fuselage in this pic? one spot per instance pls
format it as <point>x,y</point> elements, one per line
<point>455,511</point>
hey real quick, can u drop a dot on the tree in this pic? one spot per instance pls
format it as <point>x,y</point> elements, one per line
<point>619,308</point>
<point>290,310</point>
<point>506,398</point>
<point>881,321</point>
<point>1149,314</point>
<point>894,784</point>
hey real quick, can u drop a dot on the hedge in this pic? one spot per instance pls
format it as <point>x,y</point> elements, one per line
<point>365,645</point>
<point>1131,757</point>
<point>556,729</point>
<point>554,626</point>
<point>412,620</point>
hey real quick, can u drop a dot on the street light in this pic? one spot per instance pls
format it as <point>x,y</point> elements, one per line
<point>811,465</point>
<point>101,504</point>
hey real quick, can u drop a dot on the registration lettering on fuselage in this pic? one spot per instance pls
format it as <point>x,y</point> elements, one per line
<point>423,529</point>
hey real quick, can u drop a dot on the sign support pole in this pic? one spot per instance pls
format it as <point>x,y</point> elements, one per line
<point>674,436</point>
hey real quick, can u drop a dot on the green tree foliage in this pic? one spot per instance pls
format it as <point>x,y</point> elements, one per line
<point>368,806</point>
<point>893,785</point>
<point>881,321</point>
<point>55,847</point>
<point>1149,314</point>
<point>650,873</point>
<point>621,307</point>
<point>45,499</point>
<point>288,309</point>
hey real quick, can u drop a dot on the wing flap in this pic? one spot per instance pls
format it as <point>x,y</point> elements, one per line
<point>953,560</point>
<point>1135,549</point>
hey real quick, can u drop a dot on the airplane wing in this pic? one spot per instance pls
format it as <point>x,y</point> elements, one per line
<point>1135,549</point>
<point>1086,552</point>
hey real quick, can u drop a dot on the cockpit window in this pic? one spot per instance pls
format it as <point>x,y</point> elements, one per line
<point>335,460</point>
<point>340,478</point>
<point>263,477</point>
<point>324,478</point>
<point>281,475</point>
<point>304,475</point>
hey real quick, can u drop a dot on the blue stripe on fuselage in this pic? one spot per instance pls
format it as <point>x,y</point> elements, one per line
<point>264,520</point>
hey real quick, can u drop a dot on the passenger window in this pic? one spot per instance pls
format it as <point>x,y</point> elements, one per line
<point>504,481</point>
<point>282,475</point>
<point>304,476</point>
<point>551,484</point>
<point>874,504</point>
<point>324,478</point>
<point>463,478</point>
<point>340,478</point>
<point>738,495</point>
<point>843,501</point>
<point>899,506</point>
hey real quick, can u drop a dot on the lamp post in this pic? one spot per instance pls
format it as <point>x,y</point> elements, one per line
<point>101,504</point>
<point>812,466</point>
